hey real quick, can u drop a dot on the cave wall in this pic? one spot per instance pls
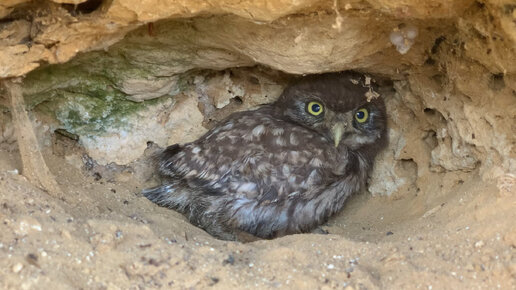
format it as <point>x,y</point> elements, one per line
<point>121,73</point>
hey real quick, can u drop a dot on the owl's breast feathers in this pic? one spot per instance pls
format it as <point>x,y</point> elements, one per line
<point>258,156</point>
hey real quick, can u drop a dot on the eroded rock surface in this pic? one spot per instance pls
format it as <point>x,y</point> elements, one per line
<point>456,72</point>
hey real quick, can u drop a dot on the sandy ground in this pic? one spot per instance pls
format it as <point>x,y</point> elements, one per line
<point>105,235</point>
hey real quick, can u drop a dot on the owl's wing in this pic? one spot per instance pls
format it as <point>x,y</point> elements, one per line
<point>254,156</point>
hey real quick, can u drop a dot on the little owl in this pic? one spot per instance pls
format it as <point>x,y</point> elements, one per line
<point>281,169</point>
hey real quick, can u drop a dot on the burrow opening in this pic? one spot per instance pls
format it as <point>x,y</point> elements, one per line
<point>105,112</point>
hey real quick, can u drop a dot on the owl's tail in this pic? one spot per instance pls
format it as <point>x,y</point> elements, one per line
<point>193,203</point>
<point>169,195</point>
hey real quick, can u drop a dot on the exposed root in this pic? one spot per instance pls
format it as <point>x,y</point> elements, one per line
<point>34,166</point>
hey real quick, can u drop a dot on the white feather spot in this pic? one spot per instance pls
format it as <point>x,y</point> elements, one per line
<point>263,167</point>
<point>196,150</point>
<point>312,178</point>
<point>316,162</point>
<point>258,130</point>
<point>250,159</point>
<point>227,126</point>
<point>223,168</point>
<point>292,194</point>
<point>220,137</point>
<point>286,170</point>
<point>281,141</point>
<point>292,179</point>
<point>247,187</point>
<point>191,173</point>
<point>293,156</point>
<point>281,190</point>
<point>248,137</point>
<point>197,158</point>
<point>277,131</point>
<point>293,139</point>
<point>358,140</point>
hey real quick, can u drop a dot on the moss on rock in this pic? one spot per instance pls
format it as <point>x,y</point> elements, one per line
<point>84,95</point>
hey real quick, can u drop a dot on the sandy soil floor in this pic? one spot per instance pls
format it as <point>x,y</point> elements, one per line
<point>105,235</point>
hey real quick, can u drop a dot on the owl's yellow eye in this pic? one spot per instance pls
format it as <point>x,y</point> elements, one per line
<point>315,108</point>
<point>361,115</point>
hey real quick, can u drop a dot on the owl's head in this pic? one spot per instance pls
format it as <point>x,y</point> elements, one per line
<point>335,105</point>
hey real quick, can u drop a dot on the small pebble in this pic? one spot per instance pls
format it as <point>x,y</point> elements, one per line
<point>389,233</point>
<point>66,234</point>
<point>26,225</point>
<point>17,267</point>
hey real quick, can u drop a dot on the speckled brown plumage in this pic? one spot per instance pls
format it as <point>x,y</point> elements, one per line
<point>279,169</point>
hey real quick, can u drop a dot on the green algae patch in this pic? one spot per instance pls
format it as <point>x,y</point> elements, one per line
<point>83,94</point>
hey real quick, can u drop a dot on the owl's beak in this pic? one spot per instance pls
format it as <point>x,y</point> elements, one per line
<point>338,130</point>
